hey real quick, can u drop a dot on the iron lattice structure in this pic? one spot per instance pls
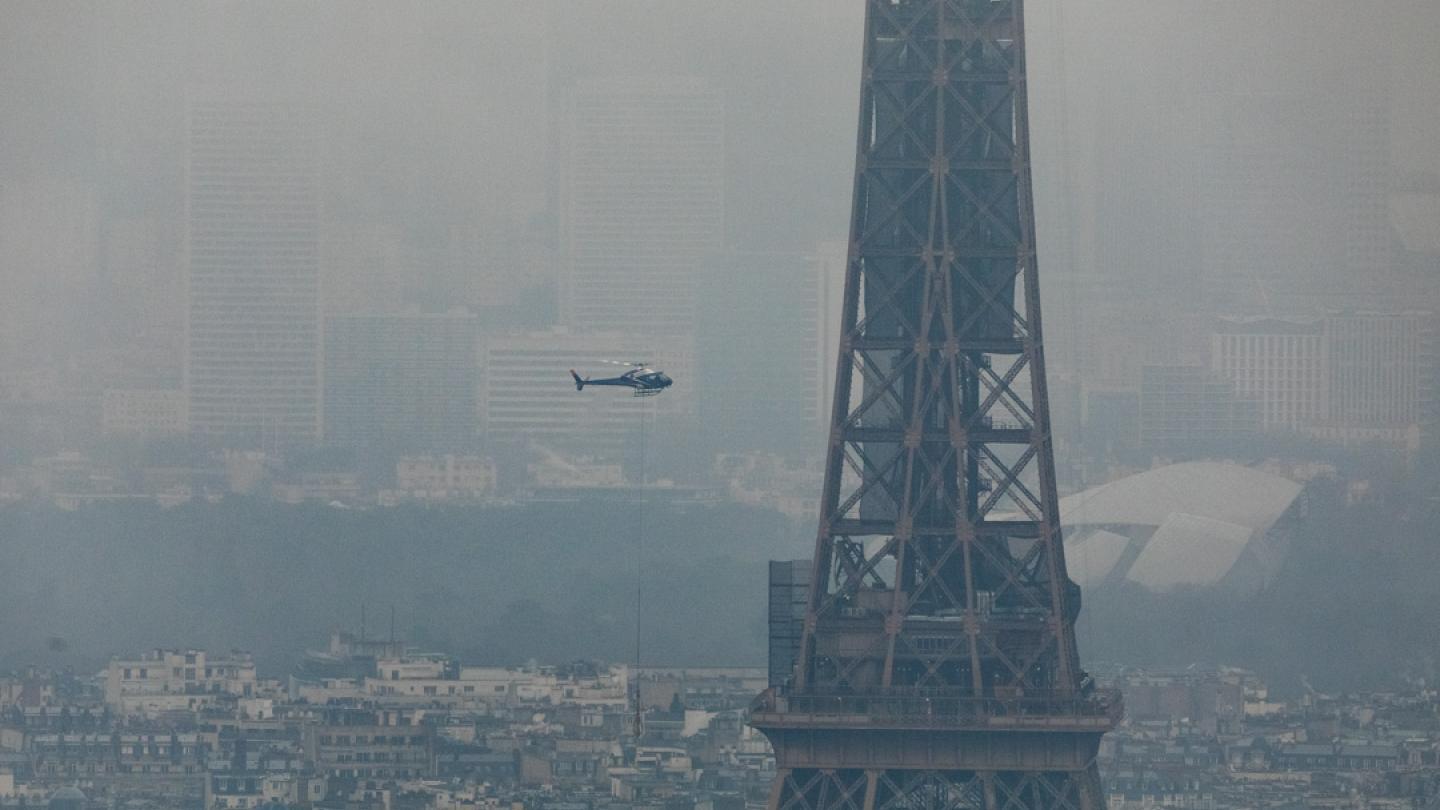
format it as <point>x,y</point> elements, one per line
<point>937,666</point>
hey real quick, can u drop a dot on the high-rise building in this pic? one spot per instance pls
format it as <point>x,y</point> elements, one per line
<point>53,353</point>
<point>367,269</point>
<point>1190,407</point>
<point>1294,195</point>
<point>253,363</point>
<point>1414,213</point>
<point>1381,376</point>
<point>1263,174</point>
<point>49,262</point>
<point>762,337</point>
<point>1362,163</point>
<point>1377,367</point>
<point>789,594</point>
<point>145,308</point>
<point>643,202</point>
<point>402,381</point>
<point>1354,377</point>
<point>142,412</point>
<point>1257,203</point>
<point>1280,364</point>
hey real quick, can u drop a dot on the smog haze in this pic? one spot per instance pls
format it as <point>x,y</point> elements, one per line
<point>459,202</point>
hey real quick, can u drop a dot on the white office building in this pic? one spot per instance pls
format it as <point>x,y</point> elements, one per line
<point>643,202</point>
<point>252,370</point>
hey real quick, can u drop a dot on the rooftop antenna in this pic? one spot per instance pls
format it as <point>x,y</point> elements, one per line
<point>362,624</point>
<point>392,629</point>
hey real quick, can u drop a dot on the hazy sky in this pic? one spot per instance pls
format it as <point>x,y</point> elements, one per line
<point>1151,120</point>
<point>439,121</point>
<point>442,110</point>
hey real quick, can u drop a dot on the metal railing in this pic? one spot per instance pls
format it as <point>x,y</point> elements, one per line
<point>935,708</point>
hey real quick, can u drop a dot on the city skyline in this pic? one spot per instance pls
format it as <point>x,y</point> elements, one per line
<point>518,260</point>
<point>300,301</point>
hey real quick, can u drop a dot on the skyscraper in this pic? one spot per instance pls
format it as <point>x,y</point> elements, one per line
<point>49,244</point>
<point>1280,364</point>
<point>252,368</point>
<point>761,339</point>
<point>1380,371</point>
<point>1293,196</point>
<point>1192,407</point>
<point>1354,378</point>
<point>52,351</point>
<point>404,381</point>
<point>789,593</point>
<point>643,202</point>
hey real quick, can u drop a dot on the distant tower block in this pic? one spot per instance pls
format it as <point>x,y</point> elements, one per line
<point>937,664</point>
<point>253,337</point>
<point>644,202</point>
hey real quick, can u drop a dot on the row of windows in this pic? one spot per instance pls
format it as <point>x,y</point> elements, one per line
<point>72,769</point>
<point>365,739</point>
<point>432,690</point>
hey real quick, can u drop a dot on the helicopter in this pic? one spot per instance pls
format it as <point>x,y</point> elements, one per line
<point>645,381</point>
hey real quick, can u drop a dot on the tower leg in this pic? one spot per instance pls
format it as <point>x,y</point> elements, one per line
<point>777,788</point>
<point>937,667</point>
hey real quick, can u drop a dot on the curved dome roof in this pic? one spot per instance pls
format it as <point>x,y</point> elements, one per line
<point>68,793</point>
<point>1186,524</point>
<point>1225,492</point>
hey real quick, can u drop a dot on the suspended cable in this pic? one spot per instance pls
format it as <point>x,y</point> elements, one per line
<point>639,727</point>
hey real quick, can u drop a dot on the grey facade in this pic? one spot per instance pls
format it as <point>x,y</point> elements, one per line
<point>408,382</point>
<point>789,592</point>
<point>252,206</point>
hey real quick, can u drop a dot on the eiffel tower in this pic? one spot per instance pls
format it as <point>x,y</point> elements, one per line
<point>937,666</point>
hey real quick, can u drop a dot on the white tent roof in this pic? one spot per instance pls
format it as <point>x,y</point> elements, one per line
<point>1228,493</point>
<point>1090,555</point>
<point>1189,550</point>
<point>1185,524</point>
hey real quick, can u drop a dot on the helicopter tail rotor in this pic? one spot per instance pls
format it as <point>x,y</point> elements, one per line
<point>579,383</point>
